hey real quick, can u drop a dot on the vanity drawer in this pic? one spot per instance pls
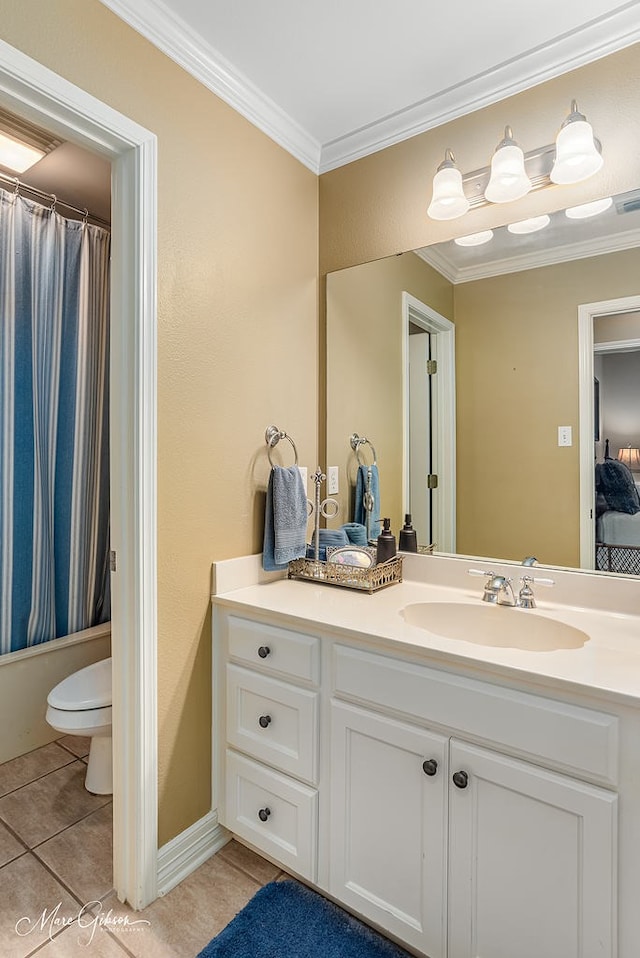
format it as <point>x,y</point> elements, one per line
<point>276,651</point>
<point>273,813</point>
<point>574,739</point>
<point>275,722</point>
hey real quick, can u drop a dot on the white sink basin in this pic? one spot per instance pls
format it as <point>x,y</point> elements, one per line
<point>495,625</point>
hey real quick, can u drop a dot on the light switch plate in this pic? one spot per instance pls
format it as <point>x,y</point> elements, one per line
<point>332,481</point>
<point>565,437</point>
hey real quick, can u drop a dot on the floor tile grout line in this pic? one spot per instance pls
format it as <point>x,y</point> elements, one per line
<point>37,778</point>
<point>13,832</point>
<point>243,871</point>
<point>66,828</point>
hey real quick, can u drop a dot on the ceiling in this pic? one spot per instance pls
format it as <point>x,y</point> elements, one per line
<point>335,81</point>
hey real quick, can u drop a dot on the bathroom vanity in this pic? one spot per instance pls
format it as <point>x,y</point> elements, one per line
<point>471,799</point>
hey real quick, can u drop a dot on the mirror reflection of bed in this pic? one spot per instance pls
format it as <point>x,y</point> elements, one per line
<point>617,443</point>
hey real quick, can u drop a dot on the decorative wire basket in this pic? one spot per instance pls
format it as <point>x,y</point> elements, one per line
<point>348,576</point>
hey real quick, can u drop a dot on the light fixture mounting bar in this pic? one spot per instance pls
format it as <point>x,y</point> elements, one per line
<point>538,164</point>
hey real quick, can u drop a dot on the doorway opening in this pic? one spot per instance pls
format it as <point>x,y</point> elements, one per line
<point>30,90</point>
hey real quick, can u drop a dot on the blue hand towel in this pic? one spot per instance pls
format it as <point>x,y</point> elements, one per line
<point>356,533</point>
<point>328,537</point>
<point>360,513</point>
<point>285,519</point>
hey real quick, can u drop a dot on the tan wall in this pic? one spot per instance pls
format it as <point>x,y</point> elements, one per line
<point>517,381</point>
<point>237,284</point>
<point>376,206</point>
<point>364,362</point>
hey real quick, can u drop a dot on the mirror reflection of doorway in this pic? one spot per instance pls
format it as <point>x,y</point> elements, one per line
<point>609,334</point>
<point>429,416</point>
<point>420,433</point>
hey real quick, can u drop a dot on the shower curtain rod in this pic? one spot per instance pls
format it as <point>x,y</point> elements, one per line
<point>55,201</point>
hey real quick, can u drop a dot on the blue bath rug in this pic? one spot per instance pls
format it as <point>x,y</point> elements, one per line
<point>288,920</point>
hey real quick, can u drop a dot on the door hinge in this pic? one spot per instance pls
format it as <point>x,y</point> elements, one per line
<point>112,561</point>
<point>432,367</point>
<point>432,481</point>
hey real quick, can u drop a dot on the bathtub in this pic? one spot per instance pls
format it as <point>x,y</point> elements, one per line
<point>28,675</point>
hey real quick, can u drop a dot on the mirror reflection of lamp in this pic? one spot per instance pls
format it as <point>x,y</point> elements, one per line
<point>630,456</point>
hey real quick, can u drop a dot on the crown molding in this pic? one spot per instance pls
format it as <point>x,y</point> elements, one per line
<point>590,42</point>
<point>544,257</point>
<point>170,34</point>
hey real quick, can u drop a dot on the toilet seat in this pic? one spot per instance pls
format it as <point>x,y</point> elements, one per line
<point>89,688</point>
<point>80,721</point>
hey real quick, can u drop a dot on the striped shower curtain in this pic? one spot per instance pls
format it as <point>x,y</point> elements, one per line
<point>54,430</point>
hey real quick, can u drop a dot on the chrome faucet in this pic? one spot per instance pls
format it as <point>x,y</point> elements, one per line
<point>499,591</point>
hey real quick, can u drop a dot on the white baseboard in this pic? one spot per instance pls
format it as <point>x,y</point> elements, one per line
<point>188,850</point>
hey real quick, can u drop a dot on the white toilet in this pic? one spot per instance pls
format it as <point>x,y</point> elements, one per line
<point>81,705</point>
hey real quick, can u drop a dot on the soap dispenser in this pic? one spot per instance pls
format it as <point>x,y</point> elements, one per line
<point>386,547</point>
<point>408,541</point>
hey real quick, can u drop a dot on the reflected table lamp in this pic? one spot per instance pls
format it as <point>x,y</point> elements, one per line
<point>631,457</point>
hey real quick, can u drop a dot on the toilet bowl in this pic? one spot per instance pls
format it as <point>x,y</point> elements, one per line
<point>81,705</point>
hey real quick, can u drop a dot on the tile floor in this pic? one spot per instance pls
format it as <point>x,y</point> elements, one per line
<point>55,865</point>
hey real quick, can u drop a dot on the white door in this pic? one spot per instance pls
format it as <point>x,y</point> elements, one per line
<point>532,861</point>
<point>420,434</point>
<point>388,825</point>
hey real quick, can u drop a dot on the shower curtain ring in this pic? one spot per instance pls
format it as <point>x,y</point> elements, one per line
<point>54,200</point>
<point>85,218</point>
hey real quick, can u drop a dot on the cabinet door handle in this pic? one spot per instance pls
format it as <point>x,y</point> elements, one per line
<point>430,767</point>
<point>460,779</point>
<point>263,814</point>
<point>264,651</point>
<point>264,721</point>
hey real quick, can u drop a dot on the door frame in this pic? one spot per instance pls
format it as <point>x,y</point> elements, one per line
<point>443,415</point>
<point>35,92</point>
<point>587,312</point>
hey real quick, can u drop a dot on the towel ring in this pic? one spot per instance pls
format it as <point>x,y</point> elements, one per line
<point>272,436</point>
<point>358,441</point>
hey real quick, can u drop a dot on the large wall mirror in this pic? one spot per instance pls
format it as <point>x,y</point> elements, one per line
<point>536,338</point>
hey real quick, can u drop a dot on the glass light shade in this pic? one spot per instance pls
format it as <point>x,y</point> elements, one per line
<point>17,156</point>
<point>630,457</point>
<point>508,180</point>
<point>577,157</point>
<point>448,200</point>
<point>589,209</point>
<point>474,239</point>
<point>532,225</point>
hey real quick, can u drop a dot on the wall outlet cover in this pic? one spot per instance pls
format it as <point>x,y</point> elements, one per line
<point>332,481</point>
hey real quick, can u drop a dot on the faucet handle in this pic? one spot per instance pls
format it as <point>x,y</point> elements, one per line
<point>540,580</point>
<point>484,572</point>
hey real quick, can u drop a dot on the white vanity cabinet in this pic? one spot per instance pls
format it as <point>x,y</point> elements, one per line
<point>465,818</point>
<point>269,708</point>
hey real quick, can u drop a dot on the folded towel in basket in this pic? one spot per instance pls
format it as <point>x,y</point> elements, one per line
<point>356,533</point>
<point>334,538</point>
<point>368,481</point>
<point>285,519</point>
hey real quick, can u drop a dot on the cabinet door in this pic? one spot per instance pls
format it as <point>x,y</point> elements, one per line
<point>388,824</point>
<point>532,861</point>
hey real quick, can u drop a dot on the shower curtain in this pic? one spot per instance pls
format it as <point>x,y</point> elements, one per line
<point>54,430</point>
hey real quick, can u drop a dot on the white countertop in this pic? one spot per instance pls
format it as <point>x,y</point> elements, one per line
<point>607,665</point>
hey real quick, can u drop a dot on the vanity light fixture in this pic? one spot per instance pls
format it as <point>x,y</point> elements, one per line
<point>17,156</point>
<point>630,457</point>
<point>448,200</point>
<point>589,209</point>
<point>531,225</point>
<point>575,156</point>
<point>578,153</point>
<point>474,239</point>
<point>508,180</point>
